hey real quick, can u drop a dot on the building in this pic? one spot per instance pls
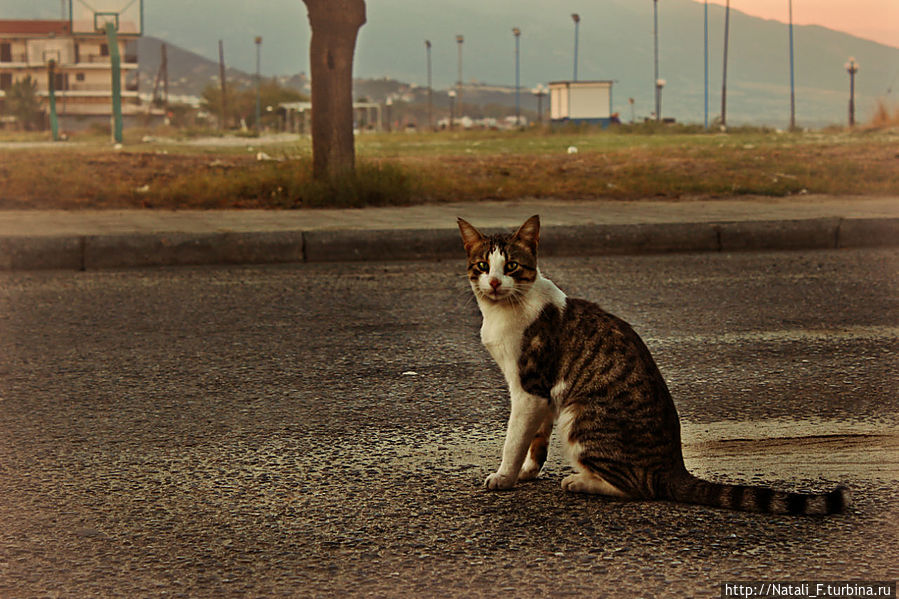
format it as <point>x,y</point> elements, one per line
<point>296,117</point>
<point>82,67</point>
<point>581,102</point>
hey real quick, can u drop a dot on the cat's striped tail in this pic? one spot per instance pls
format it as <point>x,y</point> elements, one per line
<point>683,487</point>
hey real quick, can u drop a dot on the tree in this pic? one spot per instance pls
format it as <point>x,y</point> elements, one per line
<point>335,25</point>
<point>242,101</point>
<point>23,103</point>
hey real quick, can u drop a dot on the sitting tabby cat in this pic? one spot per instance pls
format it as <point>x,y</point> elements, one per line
<point>569,361</point>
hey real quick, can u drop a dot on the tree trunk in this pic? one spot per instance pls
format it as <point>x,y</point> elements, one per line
<point>335,25</point>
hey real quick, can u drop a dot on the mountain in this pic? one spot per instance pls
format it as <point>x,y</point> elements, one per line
<point>188,72</point>
<point>616,42</point>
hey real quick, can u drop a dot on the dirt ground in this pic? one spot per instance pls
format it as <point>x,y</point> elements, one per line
<point>189,175</point>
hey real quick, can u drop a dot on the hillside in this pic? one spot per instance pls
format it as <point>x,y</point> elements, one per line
<point>615,43</point>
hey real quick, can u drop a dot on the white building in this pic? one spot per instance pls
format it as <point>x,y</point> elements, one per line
<point>581,102</point>
<point>82,69</point>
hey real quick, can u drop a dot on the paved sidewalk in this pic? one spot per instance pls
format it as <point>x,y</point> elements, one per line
<point>115,238</point>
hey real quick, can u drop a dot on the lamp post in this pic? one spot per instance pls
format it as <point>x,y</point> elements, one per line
<point>655,38</point>
<point>633,114</point>
<point>724,74</point>
<point>258,87</point>
<point>452,99</point>
<point>852,69</point>
<point>577,21</point>
<point>792,84</point>
<point>459,40</point>
<point>430,89</point>
<point>389,104</point>
<point>706,58</point>
<point>540,92</point>
<point>660,83</point>
<point>517,33</point>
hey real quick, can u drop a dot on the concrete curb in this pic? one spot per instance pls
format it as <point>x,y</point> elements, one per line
<point>115,251</point>
<point>90,252</point>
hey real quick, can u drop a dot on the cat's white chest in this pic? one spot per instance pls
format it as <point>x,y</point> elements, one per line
<point>503,328</point>
<point>501,334</point>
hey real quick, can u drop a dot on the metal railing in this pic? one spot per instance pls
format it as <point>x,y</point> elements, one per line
<point>99,58</point>
<point>96,87</point>
<point>89,59</point>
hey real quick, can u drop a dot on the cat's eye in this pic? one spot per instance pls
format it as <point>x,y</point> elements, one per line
<point>510,267</point>
<point>482,266</point>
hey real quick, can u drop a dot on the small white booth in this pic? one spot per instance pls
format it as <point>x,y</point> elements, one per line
<point>581,102</point>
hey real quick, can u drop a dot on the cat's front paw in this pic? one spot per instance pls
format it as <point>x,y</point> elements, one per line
<point>529,471</point>
<point>498,482</point>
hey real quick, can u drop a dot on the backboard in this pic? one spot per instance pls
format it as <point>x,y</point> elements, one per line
<point>91,16</point>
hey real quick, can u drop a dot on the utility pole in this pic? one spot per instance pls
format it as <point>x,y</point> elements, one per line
<point>706,69</point>
<point>223,121</point>
<point>517,33</point>
<point>792,84</point>
<point>258,41</point>
<point>724,76</point>
<point>577,21</point>
<point>852,69</point>
<point>165,76</point>
<point>430,88</point>
<point>459,40</point>
<point>452,100</point>
<point>162,75</point>
<point>655,37</point>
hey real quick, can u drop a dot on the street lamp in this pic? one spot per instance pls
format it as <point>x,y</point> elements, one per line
<point>633,114</point>
<point>852,69</point>
<point>577,21</point>
<point>792,80</point>
<point>660,83</point>
<point>258,86</point>
<point>430,89</point>
<point>517,33</point>
<point>452,98</point>
<point>389,104</point>
<point>655,37</point>
<point>724,70</point>
<point>459,40</point>
<point>540,91</point>
<point>706,61</point>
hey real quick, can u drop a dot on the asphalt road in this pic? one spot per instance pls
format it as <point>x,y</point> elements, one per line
<point>323,430</point>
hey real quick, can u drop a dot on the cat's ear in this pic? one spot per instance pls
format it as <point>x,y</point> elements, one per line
<point>470,235</point>
<point>529,233</point>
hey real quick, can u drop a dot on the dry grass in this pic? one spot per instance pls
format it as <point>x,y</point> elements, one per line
<point>402,169</point>
<point>884,117</point>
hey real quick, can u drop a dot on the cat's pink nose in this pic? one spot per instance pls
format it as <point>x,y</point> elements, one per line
<point>495,283</point>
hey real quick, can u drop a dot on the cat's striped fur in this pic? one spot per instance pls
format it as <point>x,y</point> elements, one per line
<point>569,363</point>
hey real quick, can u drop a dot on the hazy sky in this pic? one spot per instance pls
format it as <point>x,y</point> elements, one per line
<point>877,20</point>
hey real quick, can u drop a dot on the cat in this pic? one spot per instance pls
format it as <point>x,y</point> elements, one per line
<point>569,363</point>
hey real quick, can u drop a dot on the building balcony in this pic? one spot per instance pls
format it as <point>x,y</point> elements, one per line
<point>128,65</point>
<point>100,59</point>
<point>97,87</point>
<point>90,91</point>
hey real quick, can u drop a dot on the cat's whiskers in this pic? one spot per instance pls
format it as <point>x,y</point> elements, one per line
<point>465,290</point>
